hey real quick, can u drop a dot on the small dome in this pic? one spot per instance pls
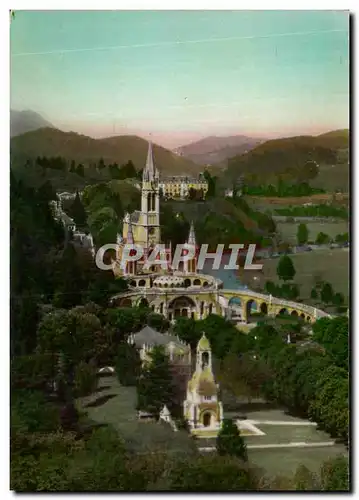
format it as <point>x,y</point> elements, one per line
<point>204,344</point>
<point>203,382</point>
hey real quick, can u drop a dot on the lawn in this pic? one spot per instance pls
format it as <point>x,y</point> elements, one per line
<point>327,265</point>
<point>115,405</point>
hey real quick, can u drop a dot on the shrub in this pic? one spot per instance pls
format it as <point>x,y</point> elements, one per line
<point>85,381</point>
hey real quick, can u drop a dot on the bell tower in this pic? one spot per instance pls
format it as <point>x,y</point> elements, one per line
<point>202,408</point>
<point>150,201</point>
<point>190,266</point>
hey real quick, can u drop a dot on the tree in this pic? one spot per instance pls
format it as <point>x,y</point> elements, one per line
<point>192,194</point>
<point>128,364</point>
<point>322,239</point>
<point>335,474</point>
<point>294,292</point>
<point>155,386</point>
<point>101,164</point>
<point>333,335</point>
<point>263,337</point>
<point>80,170</point>
<point>326,293</point>
<point>69,337</point>
<point>158,322</point>
<point>77,212</point>
<point>285,268</point>
<point>314,294</point>
<point>211,184</point>
<point>33,411</point>
<point>338,300</point>
<point>211,473</point>
<point>309,171</point>
<point>302,234</point>
<point>128,171</point>
<point>187,330</point>
<point>270,287</point>
<point>85,379</point>
<point>69,279</point>
<point>32,372</point>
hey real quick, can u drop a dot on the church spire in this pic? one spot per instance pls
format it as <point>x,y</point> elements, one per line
<point>149,172</point>
<point>191,236</point>
<point>130,239</point>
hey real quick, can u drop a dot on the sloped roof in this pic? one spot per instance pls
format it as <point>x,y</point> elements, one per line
<point>152,337</point>
<point>203,381</point>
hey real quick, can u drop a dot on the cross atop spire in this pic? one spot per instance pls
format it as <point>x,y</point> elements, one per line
<point>149,171</point>
<point>191,236</point>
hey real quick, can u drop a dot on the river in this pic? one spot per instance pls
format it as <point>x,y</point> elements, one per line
<point>228,276</point>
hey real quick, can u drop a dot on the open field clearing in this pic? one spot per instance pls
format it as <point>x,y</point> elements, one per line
<point>327,265</point>
<point>263,203</point>
<point>288,230</point>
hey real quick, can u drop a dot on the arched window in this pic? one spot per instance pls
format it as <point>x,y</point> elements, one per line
<point>205,359</point>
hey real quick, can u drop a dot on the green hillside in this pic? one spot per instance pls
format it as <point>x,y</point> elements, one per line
<point>86,150</point>
<point>336,139</point>
<point>287,156</point>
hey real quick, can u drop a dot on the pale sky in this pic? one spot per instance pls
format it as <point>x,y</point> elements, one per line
<point>182,75</point>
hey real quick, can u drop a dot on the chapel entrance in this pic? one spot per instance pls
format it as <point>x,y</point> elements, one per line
<point>206,419</point>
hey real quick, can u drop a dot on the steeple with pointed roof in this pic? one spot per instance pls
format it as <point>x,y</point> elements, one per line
<point>130,239</point>
<point>190,266</point>
<point>191,237</point>
<point>149,172</point>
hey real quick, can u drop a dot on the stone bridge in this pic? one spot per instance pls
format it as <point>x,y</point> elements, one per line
<point>199,303</point>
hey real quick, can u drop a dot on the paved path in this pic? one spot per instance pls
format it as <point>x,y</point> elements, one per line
<point>280,445</point>
<point>280,422</point>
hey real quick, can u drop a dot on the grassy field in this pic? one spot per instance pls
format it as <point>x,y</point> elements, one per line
<point>288,230</point>
<point>332,177</point>
<point>328,265</point>
<point>264,203</point>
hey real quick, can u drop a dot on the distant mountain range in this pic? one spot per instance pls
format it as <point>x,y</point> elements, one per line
<point>32,136</point>
<point>52,142</point>
<point>287,155</point>
<point>216,150</point>
<point>26,121</point>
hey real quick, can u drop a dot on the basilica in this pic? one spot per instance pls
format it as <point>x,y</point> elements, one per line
<point>142,228</point>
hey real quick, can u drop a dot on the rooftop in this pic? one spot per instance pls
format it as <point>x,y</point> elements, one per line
<point>150,336</point>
